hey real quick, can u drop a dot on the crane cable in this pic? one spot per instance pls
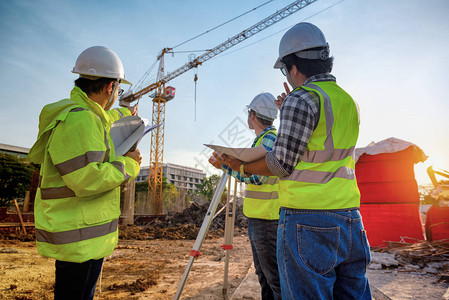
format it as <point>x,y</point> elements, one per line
<point>195,79</point>
<point>282,30</point>
<point>207,31</point>
<point>152,66</point>
<point>144,76</point>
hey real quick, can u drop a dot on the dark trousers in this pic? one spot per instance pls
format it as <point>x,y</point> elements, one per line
<point>77,281</point>
<point>262,236</point>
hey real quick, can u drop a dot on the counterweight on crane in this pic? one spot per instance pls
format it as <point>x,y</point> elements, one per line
<point>159,100</point>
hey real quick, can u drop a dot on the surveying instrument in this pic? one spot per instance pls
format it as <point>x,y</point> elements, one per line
<point>228,235</point>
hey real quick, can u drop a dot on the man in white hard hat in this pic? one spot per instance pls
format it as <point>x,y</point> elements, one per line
<point>322,247</point>
<point>261,204</point>
<point>77,204</point>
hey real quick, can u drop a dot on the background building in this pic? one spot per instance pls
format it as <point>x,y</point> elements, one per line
<point>181,176</point>
<point>14,150</point>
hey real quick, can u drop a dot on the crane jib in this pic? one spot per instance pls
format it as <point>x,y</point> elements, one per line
<point>245,34</point>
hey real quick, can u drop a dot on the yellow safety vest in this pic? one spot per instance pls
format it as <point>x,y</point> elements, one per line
<point>325,176</point>
<point>77,204</point>
<point>261,201</point>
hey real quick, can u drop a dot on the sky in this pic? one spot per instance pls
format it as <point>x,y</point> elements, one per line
<point>390,56</point>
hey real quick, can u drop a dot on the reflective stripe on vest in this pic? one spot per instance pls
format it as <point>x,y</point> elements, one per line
<point>271,180</point>
<point>119,112</point>
<point>321,156</point>
<point>79,162</point>
<point>56,193</point>
<point>262,195</point>
<point>320,176</point>
<point>121,167</point>
<point>76,235</point>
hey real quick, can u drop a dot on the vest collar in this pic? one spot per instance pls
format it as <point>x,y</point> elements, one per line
<point>262,133</point>
<point>81,98</point>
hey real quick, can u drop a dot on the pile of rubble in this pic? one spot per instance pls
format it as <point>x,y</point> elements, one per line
<point>196,213</point>
<point>422,257</point>
<point>184,225</point>
<point>17,234</point>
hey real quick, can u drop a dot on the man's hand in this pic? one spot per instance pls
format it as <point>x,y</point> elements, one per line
<point>282,96</point>
<point>231,162</point>
<point>216,160</point>
<point>133,109</point>
<point>135,155</point>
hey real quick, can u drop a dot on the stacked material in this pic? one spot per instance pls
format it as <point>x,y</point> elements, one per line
<point>389,192</point>
<point>437,223</point>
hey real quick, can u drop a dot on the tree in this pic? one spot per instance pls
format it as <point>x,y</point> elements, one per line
<point>169,191</point>
<point>15,176</point>
<point>208,186</point>
<point>143,186</point>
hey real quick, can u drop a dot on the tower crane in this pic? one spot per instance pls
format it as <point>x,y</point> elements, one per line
<point>163,94</point>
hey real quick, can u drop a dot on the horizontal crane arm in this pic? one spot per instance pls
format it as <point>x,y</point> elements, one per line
<point>231,42</point>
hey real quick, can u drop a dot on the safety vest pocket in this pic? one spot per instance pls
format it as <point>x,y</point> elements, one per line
<point>101,210</point>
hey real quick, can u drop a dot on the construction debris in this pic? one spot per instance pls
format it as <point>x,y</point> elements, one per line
<point>184,225</point>
<point>421,257</point>
<point>195,215</point>
<point>16,233</point>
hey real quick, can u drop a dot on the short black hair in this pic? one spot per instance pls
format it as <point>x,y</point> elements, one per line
<point>93,86</point>
<point>264,122</point>
<point>309,67</point>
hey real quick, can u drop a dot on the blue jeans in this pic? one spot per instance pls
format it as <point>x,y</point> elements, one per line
<point>77,281</point>
<point>323,254</point>
<point>262,236</point>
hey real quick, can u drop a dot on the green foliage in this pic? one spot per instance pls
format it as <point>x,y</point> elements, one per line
<point>167,188</point>
<point>141,187</point>
<point>15,176</point>
<point>169,193</point>
<point>207,188</point>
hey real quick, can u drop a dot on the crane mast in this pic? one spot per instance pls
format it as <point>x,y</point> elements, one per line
<point>159,101</point>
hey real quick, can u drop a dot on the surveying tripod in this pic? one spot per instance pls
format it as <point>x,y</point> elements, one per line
<point>229,231</point>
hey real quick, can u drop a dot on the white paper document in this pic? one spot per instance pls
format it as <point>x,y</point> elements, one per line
<point>243,154</point>
<point>127,132</point>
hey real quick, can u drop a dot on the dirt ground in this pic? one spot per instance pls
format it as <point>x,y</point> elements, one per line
<point>152,269</point>
<point>150,260</point>
<point>136,270</point>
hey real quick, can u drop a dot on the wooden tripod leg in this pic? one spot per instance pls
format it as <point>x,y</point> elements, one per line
<point>229,234</point>
<point>20,216</point>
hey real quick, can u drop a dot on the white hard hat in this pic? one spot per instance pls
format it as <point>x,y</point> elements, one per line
<point>263,105</point>
<point>301,37</point>
<point>99,61</point>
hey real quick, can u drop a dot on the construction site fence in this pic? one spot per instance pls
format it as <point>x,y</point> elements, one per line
<point>143,204</point>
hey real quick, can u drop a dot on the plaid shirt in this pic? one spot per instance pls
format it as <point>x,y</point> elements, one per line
<point>299,115</point>
<point>267,142</point>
